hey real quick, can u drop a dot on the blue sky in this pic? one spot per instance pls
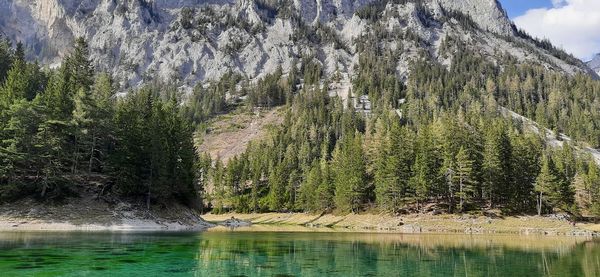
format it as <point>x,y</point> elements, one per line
<point>573,25</point>
<point>519,7</point>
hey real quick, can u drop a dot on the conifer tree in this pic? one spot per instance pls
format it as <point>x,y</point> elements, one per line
<point>497,168</point>
<point>277,185</point>
<point>309,189</point>
<point>348,167</point>
<point>464,178</point>
<point>16,85</point>
<point>6,57</point>
<point>426,171</point>
<point>79,70</point>
<point>547,184</point>
<point>326,190</point>
<point>526,157</point>
<point>593,186</point>
<point>394,169</point>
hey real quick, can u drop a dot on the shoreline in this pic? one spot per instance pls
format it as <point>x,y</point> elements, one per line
<point>86,214</point>
<point>126,225</point>
<point>420,224</point>
<point>352,223</point>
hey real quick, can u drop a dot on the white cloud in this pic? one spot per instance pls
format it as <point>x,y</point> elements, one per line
<point>573,25</point>
<point>558,3</point>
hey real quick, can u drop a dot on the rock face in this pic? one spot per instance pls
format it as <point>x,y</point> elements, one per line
<point>191,41</point>
<point>488,14</point>
<point>594,64</point>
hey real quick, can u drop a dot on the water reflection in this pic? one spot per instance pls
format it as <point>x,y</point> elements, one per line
<point>252,252</point>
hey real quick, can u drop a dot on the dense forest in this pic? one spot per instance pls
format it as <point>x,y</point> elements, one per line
<point>438,141</point>
<point>64,127</point>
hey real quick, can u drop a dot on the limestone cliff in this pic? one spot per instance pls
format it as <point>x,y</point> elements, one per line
<point>192,41</point>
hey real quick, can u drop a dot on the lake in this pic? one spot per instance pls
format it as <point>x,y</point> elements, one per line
<point>258,251</point>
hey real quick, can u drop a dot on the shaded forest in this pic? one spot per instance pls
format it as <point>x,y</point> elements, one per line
<point>66,126</point>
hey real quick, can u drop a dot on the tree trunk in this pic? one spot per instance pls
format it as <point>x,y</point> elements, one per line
<point>91,161</point>
<point>462,200</point>
<point>539,204</point>
<point>451,197</point>
<point>150,185</point>
<point>75,158</point>
<point>44,188</point>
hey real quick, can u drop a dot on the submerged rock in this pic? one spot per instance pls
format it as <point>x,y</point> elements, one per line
<point>234,222</point>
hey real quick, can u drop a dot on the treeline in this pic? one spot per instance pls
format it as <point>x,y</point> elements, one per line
<point>208,101</point>
<point>564,104</point>
<point>447,148</point>
<point>323,158</point>
<point>66,127</point>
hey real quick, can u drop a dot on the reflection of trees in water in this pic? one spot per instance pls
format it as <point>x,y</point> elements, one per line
<point>582,260</point>
<point>301,254</point>
<point>253,254</point>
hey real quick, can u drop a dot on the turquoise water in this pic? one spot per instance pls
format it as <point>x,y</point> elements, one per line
<point>239,253</point>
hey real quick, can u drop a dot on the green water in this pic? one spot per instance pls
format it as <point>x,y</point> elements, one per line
<point>239,253</point>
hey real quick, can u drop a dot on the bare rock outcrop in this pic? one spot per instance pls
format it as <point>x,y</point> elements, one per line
<point>191,41</point>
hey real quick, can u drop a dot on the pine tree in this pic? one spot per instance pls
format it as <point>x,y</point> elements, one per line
<point>16,84</point>
<point>101,128</point>
<point>6,58</point>
<point>394,169</point>
<point>57,97</point>
<point>426,170</point>
<point>83,122</point>
<point>348,167</point>
<point>464,178</point>
<point>326,190</point>
<point>526,157</point>
<point>309,190</point>
<point>78,67</point>
<point>497,168</point>
<point>219,193</point>
<point>277,185</point>
<point>552,190</point>
<point>546,184</point>
<point>386,180</point>
<point>592,181</point>
<point>18,147</point>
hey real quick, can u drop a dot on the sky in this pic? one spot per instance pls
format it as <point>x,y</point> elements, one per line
<point>573,25</point>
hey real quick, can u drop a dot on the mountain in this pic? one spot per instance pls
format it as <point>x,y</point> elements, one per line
<point>594,64</point>
<point>195,40</point>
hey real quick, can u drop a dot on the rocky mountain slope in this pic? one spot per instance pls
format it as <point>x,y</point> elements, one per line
<point>594,64</point>
<point>193,41</point>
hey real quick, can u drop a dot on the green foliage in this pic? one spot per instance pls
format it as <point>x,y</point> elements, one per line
<point>497,166</point>
<point>58,131</point>
<point>348,170</point>
<point>394,162</point>
<point>155,154</point>
<point>592,188</point>
<point>6,58</point>
<point>450,143</point>
<point>427,178</point>
<point>269,92</point>
<point>465,178</point>
<point>206,102</point>
<point>552,191</point>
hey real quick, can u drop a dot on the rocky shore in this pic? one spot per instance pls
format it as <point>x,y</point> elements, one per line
<point>423,223</point>
<point>83,214</point>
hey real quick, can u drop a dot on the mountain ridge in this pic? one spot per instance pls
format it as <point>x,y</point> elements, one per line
<point>594,63</point>
<point>193,41</point>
